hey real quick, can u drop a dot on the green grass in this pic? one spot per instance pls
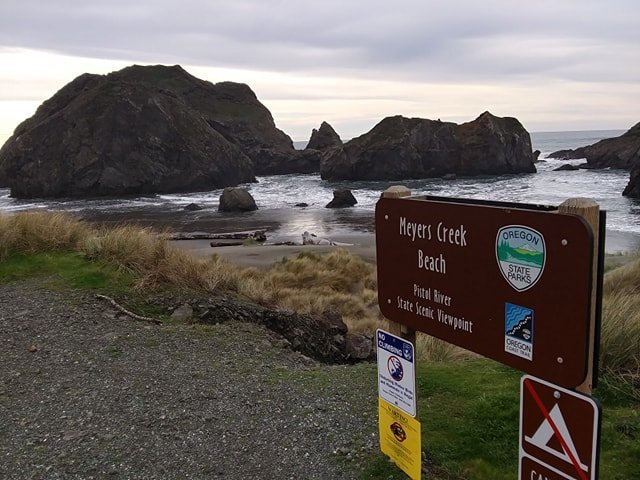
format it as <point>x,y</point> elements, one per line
<point>65,269</point>
<point>469,415</point>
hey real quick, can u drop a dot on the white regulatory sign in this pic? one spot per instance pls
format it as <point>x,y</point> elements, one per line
<point>396,372</point>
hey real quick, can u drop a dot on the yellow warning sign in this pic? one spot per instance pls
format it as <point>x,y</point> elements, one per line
<point>400,438</point>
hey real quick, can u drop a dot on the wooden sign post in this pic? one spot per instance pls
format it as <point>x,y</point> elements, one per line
<point>590,211</point>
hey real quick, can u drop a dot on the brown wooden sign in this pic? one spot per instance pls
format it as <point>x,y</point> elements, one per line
<point>512,284</point>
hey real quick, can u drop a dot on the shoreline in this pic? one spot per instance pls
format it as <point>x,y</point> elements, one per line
<point>353,226</point>
<point>362,245</point>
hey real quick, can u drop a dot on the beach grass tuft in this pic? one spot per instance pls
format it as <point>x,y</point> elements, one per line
<point>311,283</point>
<point>37,231</point>
<point>620,328</point>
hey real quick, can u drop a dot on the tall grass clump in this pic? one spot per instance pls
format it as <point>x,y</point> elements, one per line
<point>148,255</point>
<point>432,349</point>
<point>311,283</point>
<point>31,232</point>
<point>620,329</point>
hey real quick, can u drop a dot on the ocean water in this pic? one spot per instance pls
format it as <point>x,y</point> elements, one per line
<point>277,196</point>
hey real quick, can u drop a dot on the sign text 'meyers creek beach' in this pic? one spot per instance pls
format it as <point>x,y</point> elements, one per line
<point>433,261</point>
<point>453,235</point>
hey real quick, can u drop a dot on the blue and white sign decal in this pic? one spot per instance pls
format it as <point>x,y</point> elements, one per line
<point>396,372</point>
<point>518,330</point>
<point>521,255</point>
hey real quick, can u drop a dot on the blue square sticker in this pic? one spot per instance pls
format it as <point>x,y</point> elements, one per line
<point>518,330</point>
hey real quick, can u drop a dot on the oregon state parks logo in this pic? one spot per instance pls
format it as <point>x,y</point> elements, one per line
<point>521,254</point>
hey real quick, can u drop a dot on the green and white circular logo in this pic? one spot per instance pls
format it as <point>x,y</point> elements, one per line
<point>521,255</point>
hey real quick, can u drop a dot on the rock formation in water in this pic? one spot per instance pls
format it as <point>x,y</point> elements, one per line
<point>620,152</point>
<point>324,138</point>
<point>146,129</point>
<point>342,198</point>
<point>236,199</point>
<point>403,148</point>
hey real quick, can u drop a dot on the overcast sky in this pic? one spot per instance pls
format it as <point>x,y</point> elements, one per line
<point>553,64</point>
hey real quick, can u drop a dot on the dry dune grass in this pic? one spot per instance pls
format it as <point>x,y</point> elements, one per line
<point>40,231</point>
<point>620,332</point>
<point>311,283</point>
<point>148,254</point>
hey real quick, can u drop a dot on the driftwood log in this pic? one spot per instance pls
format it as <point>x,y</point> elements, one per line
<point>225,244</point>
<point>257,235</point>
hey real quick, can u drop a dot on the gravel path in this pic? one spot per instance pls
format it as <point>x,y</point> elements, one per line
<point>86,392</point>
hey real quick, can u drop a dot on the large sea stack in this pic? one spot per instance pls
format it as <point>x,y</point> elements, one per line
<point>143,129</point>
<point>402,148</point>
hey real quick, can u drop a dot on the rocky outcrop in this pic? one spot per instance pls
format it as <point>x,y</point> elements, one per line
<point>620,152</point>
<point>234,111</point>
<point>633,187</point>
<point>403,148</point>
<point>236,199</point>
<point>138,130</point>
<point>324,138</point>
<point>146,129</point>
<point>324,338</point>
<point>342,198</point>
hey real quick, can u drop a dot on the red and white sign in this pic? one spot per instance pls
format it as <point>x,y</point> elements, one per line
<point>559,432</point>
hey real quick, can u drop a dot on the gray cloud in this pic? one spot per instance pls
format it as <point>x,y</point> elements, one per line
<point>442,41</point>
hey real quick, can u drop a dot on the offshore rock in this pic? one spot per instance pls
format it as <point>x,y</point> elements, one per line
<point>146,129</point>
<point>620,152</point>
<point>138,130</point>
<point>342,198</point>
<point>324,138</point>
<point>236,199</point>
<point>567,167</point>
<point>402,148</point>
